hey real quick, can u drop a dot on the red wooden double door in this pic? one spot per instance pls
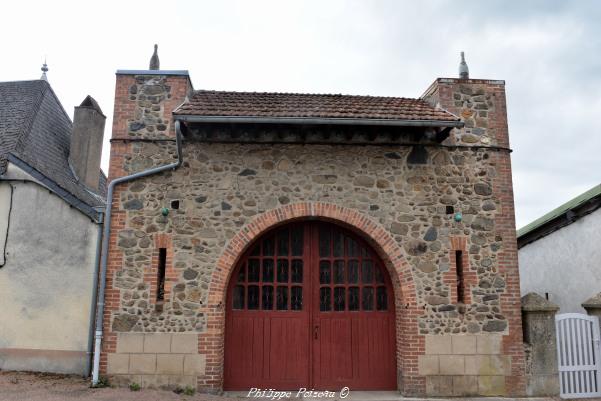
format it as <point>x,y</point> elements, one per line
<point>310,305</point>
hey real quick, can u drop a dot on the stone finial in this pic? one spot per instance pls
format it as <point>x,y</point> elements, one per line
<point>593,306</point>
<point>593,302</point>
<point>532,302</point>
<point>154,60</point>
<point>44,71</point>
<point>464,72</point>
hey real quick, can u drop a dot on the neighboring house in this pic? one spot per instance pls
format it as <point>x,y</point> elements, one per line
<point>560,253</point>
<point>51,201</point>
<point>314,241</point>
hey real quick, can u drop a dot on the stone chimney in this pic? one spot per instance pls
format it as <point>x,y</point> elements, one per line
<point>86,142</point>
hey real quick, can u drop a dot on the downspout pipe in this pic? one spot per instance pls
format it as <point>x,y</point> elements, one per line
<point>90,347</point>
<point>105,243</point>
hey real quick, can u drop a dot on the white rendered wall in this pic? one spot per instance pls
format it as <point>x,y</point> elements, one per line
<point>566,264</point>
<point>46,284</point>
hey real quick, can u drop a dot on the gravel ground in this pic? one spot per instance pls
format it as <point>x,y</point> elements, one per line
<point>20,386</point>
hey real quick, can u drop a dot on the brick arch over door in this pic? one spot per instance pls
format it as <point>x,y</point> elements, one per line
<point>409,342</point>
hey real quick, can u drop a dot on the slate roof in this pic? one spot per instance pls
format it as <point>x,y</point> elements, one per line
<point>35,133</point>
<point>296,105</point>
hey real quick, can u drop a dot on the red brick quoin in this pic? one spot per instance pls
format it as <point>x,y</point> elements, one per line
<point>409,343</point>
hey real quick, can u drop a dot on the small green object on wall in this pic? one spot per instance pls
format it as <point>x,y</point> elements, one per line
<point>458,217</point>
<point>165,211</point>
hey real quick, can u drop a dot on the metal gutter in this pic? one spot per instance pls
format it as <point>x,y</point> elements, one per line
<point>90,347</point>
<point>319,121</point>
<point>105,244</point>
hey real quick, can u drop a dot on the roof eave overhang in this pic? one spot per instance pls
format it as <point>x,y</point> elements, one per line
<point>528,235</point>
<point>93,212</point>
<point>318,121</point>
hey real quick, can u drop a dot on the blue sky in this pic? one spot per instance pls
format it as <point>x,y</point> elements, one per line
<point>549,53</point>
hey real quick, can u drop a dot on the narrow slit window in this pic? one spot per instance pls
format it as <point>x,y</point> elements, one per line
<point>161,274</point>
<point>459,272</point>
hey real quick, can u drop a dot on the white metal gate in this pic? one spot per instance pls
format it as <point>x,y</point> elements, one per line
<point>578,355</point>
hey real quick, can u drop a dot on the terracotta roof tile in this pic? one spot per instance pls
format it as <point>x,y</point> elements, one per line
<point>295,105</point>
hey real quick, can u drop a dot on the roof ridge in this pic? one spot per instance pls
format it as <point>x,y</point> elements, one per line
<point>36,108</point>
<point>306,94</point>
<point>60,104</point>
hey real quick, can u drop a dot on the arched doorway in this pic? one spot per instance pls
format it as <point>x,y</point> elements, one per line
<point>310,304</point>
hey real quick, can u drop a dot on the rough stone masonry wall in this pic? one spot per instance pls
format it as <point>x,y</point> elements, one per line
<point>481,104</point>
<point>142,112</point>
<point>223,187</point>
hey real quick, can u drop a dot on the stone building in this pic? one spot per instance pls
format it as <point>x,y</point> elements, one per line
<point>565,239</point>
<point>51,202</point>
<point>314,241</point>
